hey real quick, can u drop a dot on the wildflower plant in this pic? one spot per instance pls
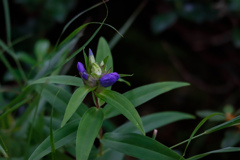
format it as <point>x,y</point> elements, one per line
<point>70,128</point>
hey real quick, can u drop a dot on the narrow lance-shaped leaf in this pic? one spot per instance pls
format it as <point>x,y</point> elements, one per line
<point>60,79</point>
<point>197,128</point>
<point>88,130</point>
<point>75,102</point>
<point>3,152</point>
<point>139,146</point>
<point>123,105</point>
<point>230,123</point>
<point>61,136</point>
<point>150,122</point>
<point>153,121</point>
<point>58,97</point>
<point>143,94</point>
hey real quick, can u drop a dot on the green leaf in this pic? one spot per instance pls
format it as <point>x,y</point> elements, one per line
<point>26,58</point>
<point>230,123</point>
<point>41,48</point>
<point>56,57</point>
<point>58,97</point>
<point>60,79</point>
<point>125,75</point>
<point>110,155</point>
<point>88,129</point>
<point>75,102</point>
<point>124,81</point>
<point>61,136</point>
<point>197,128</point>
<point>231,138</point>
<point>154,121</point>
<point>73,34</point>
<point>123,105</point>
<point>205,113</point>
<point>3,152</point>
<point>127,24</point>
<point>143,94</point>
<point>103,51</point>
<point>223,150</point>
<point>139,146</point>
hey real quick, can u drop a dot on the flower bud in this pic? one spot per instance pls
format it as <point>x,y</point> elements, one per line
<point>80,67</point>
<point>82,70</point>
<point>85,75</point>
<point>91,57</point>
<point>96,71</point>
<point>109,79</point>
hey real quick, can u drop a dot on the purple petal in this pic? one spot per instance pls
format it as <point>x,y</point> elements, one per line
<point>109,79</point>
<point>80,67</point>
<point>90,53</point>
<point>85,75</point>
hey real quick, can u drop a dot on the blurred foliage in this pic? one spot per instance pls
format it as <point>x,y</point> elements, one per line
<point>185,40</point>
<point>40,15</point>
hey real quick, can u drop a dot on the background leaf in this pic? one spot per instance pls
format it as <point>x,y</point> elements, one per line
<point>143,94</point>
<point>123,105</point>
<point>88,129</point>
<point>230,123</point>
<point>110,154</point>
<point>154,121</point>
<point>41,48</point>
<point>58,97</point>
<point>61,136</point>
<point>223,150</point>
<point>60,79</point>
<point>139,146</point>
<point>161,22</point>
<point>103,51</point>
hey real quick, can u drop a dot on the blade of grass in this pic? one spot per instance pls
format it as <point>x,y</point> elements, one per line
<point>15,58</point>
<point>9,67</point>
<point>31,131</point>
<point>15,107</point>
<point>127,24</point>
<point>3,148</point>
<point>197,128</point>
<point>60,79</point>
<point>223,150</point>
<point>78,15</point>
<point>51,137</point>
<point>194,137</point>
<point>7,21</point>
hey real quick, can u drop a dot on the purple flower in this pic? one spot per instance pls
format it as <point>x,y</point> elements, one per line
<point>109,79</point>
<point>90,53</point>
<point>80,67</point>
<point>82,70</point>
<point>85,75</point>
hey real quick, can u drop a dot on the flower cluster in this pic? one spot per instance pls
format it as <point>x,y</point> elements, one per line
<point>96,74</point>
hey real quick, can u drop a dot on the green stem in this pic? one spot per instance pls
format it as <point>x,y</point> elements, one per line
<point>187,140</point>
<point>7,21</point>
<point>101,146</point>
<point>9,67</point>
<point>96,101</point>
<point>11,53</point>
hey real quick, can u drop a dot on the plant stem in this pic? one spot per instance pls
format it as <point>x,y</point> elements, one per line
<point>187,140</point>
<point>101,146</point>
<point>7,21</point>
<point>96,101</point>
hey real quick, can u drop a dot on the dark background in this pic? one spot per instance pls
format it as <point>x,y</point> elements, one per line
<point>191,41</point>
